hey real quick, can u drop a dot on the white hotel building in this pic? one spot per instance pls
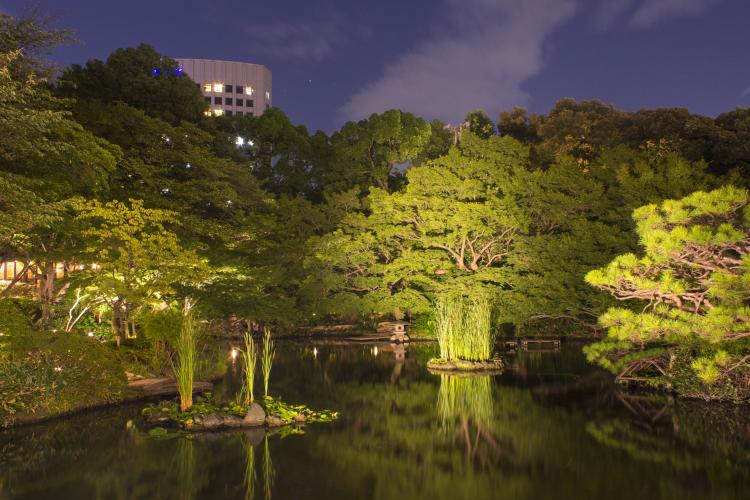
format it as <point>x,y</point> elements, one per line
<point>231,88</point>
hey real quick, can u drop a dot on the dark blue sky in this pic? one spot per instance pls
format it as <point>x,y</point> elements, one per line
<point>338,59</point>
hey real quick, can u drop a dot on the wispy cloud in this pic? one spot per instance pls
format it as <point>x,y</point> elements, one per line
<point>481,61</point>
<point>309,40</point>
<point>647,13</point>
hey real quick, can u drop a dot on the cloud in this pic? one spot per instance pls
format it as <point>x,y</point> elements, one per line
<point>647,13</point>
<point>308,40</point>
<point>481,60</point>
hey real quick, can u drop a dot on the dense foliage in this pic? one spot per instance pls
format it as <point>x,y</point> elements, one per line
<point>114,174</point>
<point>694,280</point>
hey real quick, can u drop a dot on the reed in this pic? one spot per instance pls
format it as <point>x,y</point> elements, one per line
<point>266,361</point>
<point>249,359</point>
<point>463,325</point>
<point>186,349</point>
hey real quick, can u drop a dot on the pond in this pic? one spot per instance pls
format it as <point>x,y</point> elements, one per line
<point>550,426</point>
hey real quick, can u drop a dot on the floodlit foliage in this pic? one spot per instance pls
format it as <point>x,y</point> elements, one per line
<point>266,361</point>
<point>693,279</point>
<point>249,360</point>
<point>186,347</point>
<point>463,324</point>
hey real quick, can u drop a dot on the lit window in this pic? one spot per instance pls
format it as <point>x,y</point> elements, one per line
<point>268,95</point>
<point>207,87</point>
<point>218,112</point>
<point>207,113</point>
<point>248,90</point>
<point>218,87</point>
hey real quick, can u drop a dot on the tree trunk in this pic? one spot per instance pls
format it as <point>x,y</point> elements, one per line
<point>46,291</point>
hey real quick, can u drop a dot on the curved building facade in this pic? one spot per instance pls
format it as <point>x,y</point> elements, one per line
<point>229,87</point>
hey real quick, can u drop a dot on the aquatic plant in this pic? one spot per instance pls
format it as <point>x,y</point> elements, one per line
<point>186,349</point>
<point>463,324</point>
<point>249,358</point>
<point>267,358</point>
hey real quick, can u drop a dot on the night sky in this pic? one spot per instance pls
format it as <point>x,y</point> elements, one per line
<point>334,60</point>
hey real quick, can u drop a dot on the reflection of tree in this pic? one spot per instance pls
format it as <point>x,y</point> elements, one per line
<point>686,435</point>
<point>465,411</point>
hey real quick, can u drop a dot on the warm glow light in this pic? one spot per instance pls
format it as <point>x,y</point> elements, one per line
<point>58,369</point>
<point>315,352</point>
<point>218,112</point>
<point>248,90</point>
<point>218,87</point>
<point>375,351</point>
<point>234,353</point>
<point>207,113</point>
<point>239,141</point>
<point>90,334</point>
<point>206,87</point>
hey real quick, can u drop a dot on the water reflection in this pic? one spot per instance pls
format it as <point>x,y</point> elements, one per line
<point>549,427</point>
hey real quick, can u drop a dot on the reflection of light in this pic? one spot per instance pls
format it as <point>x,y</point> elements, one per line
<point>90,334</point>
<point>375,351</point>
<point>234,353</point>
<point>315,352</point>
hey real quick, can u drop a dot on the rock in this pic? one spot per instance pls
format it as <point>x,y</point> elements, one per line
<point>274,421</point>
<point>156,417</point>
<point>255,416</point>
<point>300,418</point>
<point>212,421</point>
<point>233,421</point>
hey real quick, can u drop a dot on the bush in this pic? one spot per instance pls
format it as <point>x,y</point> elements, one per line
<point>46,374</point>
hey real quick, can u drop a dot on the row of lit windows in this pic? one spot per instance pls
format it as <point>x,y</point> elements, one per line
<point>229,101</point>
<point>227,112</point>
<point>227,89</point>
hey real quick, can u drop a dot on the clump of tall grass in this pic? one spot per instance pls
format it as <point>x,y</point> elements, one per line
<point>186,349</point>
<point>463,325</point>
<point>249,358</point>
<point>266,360</point>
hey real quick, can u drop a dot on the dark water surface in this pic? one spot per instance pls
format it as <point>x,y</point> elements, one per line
<point>549,427</point>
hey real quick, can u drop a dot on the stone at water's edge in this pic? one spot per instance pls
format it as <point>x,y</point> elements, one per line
<point>300,418</point>
<point>233,422</point>
<point>255,416</point>
<point>274,421</point>
<point>212,421</point>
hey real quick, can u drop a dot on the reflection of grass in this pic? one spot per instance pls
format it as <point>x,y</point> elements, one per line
<point>249,357</point>
<point>268,472</point>
<point>249,470</point>
<point>463,326</point>
<point>267,359</point>
<point>185,467</point>
<point>466,398</point>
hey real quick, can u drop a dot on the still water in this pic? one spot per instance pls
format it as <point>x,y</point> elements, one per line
<point>550,426</point>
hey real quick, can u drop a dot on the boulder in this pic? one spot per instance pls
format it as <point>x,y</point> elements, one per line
<point>255,416</point>
<point>212,421</point>
<point>300,418</point>
<point>233,421</point>
<point>274,421</point>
